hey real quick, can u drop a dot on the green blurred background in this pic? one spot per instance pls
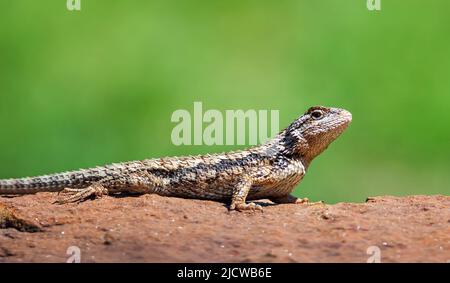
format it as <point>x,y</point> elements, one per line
<point>79,89</point>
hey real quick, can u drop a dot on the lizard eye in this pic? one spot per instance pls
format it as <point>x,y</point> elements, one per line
<point>317,114</point>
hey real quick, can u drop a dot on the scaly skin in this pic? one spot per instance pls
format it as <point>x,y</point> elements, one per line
<point>271,170</point>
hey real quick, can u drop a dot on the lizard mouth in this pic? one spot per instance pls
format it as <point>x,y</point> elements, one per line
<point>345,119</point>
<point>341,123</point>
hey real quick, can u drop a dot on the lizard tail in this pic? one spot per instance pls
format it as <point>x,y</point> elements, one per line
<point>47,183</point>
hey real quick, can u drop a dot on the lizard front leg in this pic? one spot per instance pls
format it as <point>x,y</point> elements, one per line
<point>240,193</point>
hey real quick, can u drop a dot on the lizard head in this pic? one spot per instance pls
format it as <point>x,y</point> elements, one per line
<point>315,130</point>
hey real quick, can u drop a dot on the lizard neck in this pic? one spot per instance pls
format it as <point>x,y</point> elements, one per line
<point>296,149</point>
<point>282,147</point>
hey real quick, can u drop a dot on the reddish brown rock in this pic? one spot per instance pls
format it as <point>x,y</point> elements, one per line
<point>151,228</point>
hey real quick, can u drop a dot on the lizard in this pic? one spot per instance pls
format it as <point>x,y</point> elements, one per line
<point>270,170</point>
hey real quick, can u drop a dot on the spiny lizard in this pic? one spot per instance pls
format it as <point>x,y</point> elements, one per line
<point>267,171</point>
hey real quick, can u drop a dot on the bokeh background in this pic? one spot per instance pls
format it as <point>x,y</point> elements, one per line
<point>80,89</point>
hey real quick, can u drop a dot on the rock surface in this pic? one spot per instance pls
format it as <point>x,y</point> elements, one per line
<point>150,228</point>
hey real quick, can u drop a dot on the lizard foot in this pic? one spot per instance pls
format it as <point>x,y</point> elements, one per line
<point>307,202</point>
<point>289,199</point>
<point>246,206</point>
<point>79,195</point>
<point>294,200</point>
<point>302,200</point>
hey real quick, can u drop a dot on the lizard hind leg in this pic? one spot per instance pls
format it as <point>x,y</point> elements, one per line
<point>79,195</point>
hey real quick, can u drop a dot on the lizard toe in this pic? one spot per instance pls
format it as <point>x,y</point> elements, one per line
<point>246,207</point>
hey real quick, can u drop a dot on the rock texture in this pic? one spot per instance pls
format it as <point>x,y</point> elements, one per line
<point>150,228</point>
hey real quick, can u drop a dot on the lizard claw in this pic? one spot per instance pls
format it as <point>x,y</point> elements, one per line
<point>246,207</point>
<point>306,201</point>
<point>302,200</point>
